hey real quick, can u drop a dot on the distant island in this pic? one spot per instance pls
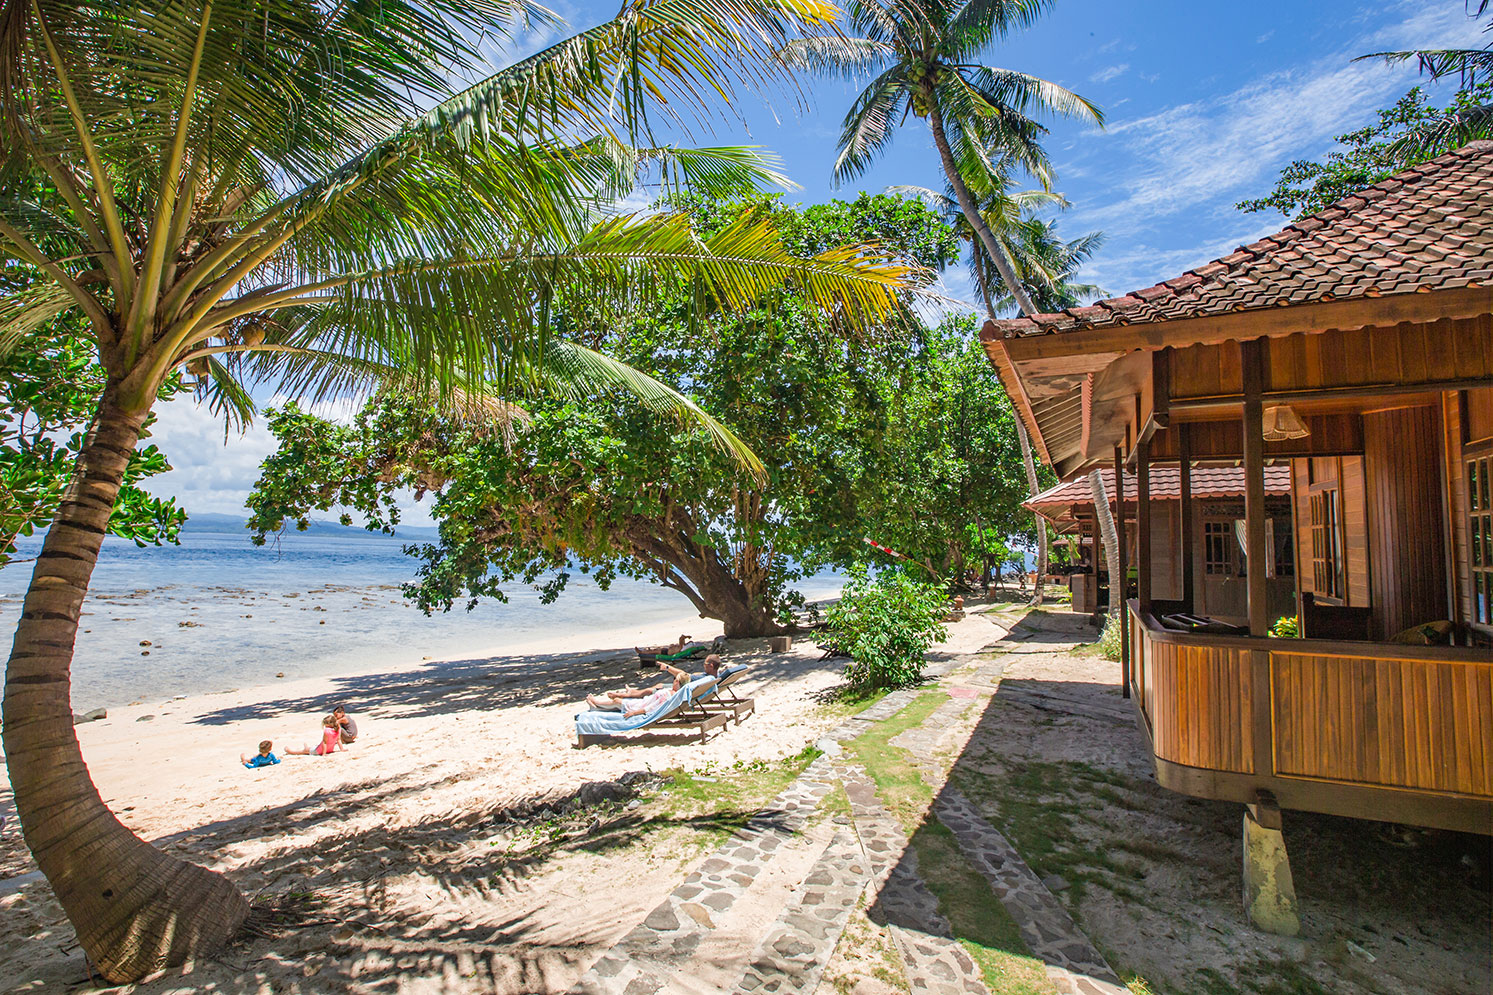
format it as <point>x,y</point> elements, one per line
<point>234,524</point>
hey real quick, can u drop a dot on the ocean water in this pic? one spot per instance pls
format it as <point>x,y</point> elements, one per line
<point>220,613</point>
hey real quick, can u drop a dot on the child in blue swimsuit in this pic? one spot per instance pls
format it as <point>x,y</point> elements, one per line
<point>263,758</point>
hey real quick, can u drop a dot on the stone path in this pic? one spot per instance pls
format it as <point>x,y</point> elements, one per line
<point>643,961</point>
<point>868,855</point>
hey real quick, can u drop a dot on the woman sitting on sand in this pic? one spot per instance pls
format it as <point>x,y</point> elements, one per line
<point>637,701</point>
<point>331,739</point>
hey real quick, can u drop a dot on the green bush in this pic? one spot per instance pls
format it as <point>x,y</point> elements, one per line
<point>885,626</point>
<point>1286,627</point>
<point>1109,639</point>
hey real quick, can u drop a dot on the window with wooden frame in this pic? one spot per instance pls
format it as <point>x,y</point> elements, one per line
<point>1220,549</point>
<point>1327,544</point>
<point>1480,529</point>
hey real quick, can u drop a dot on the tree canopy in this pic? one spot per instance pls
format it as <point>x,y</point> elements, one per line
<point>1406,134</point>
<point>901,434</point>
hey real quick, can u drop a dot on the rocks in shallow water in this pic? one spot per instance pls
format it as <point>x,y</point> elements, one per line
<point>189,624</point>
<point>280,674</point>
<point>93,716</point>
<point>146,718</point>
<point>145,642</point>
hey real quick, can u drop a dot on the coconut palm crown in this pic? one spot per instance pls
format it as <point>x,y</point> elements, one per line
<point>295,191</point>
<point>924,58</point>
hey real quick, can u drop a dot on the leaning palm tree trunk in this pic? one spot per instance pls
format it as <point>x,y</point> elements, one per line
<point>1031,486</point>
<point>161,910</point>
<point>1108,536</point>
<point>1021,433</point>
<point>972,214</point>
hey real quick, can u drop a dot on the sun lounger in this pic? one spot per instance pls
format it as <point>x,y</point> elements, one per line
<point>724,698</point>
<point>649,656</point>
<point>678,712</point>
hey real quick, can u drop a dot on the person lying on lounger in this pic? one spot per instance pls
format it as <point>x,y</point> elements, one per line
<point>635,701</point>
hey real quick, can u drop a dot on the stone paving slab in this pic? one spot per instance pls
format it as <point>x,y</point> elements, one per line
<point>792,956</point>
<point>642,962</point>
<point>934,961</point>
<point>1045,925</point>
<point>1073,963</point>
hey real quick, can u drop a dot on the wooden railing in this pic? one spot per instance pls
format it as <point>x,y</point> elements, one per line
<point>1406,717</point>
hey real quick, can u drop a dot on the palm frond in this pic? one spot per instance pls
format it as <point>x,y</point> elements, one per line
<point>870,123</point>
<point>576,372</point>
<point>833,55</point>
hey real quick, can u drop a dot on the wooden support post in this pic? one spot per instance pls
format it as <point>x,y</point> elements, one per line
<point>1188,545</point>
<point>1117,574</point>
<point>1254,488</point>
<point>1143,524</point>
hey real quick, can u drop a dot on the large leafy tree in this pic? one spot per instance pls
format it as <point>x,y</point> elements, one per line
<point>1405,134</point>
<point>48,391</point>
<point>1044,265</point>
<point>945,472</point>
<point>611,491</point>
<point>924,58</point>
<point>292,190</point>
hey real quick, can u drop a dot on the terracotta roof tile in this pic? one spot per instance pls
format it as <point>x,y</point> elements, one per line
<point>1428,228</point>
<point>1166,485</point>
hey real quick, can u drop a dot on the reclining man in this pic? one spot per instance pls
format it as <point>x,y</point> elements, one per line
<point>639,701</point>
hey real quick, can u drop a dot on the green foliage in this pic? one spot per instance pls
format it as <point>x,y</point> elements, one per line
<point>1286,627</point>
<point>1111,640</point>
<point>1405,135</point>
<point>851,429</point>
<point>945,478</point>
<point>49,386</point>
<point>885,625</point>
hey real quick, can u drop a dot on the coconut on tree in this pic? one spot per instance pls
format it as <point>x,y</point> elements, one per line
<point>292,192</point>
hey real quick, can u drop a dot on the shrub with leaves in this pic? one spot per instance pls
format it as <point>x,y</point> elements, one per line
<point>1110,639</point>
<point>885,626</point>
<point>1286,627</point>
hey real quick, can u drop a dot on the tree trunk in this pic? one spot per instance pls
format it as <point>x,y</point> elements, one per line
<point>1026,452</point>
<point>1111,542</point>
<point>972,214</point>
<point>1031,483</point>
<point>135,909</point>
<point>698,573</point>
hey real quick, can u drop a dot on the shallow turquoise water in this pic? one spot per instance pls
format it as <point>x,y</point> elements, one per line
<point>319,605</point>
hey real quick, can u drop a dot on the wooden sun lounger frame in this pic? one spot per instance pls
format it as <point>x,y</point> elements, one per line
<point>734,705</point>
<point>688,715</point>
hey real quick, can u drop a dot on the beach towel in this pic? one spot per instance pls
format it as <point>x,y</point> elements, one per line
<point>598,723</point>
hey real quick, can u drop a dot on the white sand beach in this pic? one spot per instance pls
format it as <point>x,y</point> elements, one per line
<point>439,740</point>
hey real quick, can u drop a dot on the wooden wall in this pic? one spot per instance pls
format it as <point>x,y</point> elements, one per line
<point>1406,723</point>
<point>1408,353</point>
<point>1407,524</point>
<point>1201,706</point>
<point>1456,492</point>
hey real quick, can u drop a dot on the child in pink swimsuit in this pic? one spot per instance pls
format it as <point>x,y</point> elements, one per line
<point>331,739</point>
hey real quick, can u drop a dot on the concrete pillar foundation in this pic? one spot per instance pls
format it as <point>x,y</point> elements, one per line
<point>1269,889</point>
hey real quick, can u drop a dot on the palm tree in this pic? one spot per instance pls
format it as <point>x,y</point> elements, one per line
<point>1045,267</point>
<point>289,189</point>
<point>924,55</point>
<point>1471,119</point>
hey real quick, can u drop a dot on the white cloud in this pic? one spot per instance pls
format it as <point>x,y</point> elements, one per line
<point>1109,72</point>
<point>1195,159</point>
<point>212,475</point>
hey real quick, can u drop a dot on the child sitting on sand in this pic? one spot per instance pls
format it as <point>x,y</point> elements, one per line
<point>261,759</point>
<point>331,739</point>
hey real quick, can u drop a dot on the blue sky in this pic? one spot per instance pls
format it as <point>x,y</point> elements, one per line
<point>1205,102</point>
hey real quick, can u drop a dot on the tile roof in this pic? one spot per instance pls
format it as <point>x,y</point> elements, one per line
<point>1166,485</point>
<point>1426,228</point>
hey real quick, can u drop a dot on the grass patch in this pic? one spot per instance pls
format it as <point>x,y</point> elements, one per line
<point>977,918</point>
<point>743,787</point>
<point>1041,805</point>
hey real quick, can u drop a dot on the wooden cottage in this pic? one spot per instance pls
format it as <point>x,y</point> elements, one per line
<point>1218,496</point>
<point>1355,350</point>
